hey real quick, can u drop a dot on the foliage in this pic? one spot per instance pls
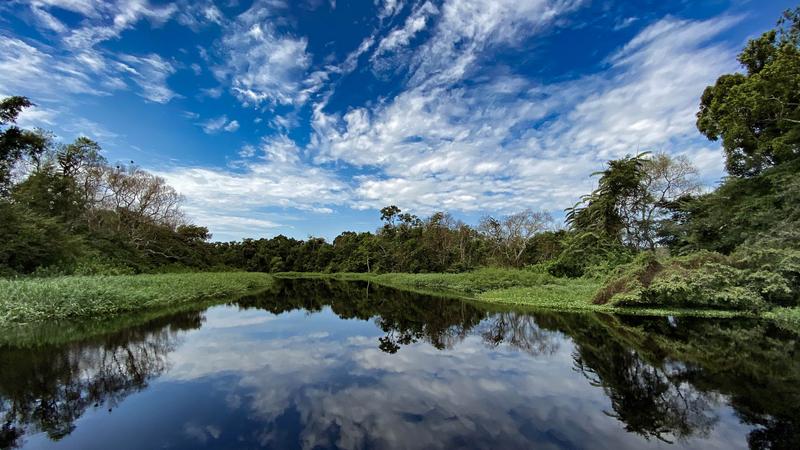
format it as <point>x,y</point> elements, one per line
<point>588,254</point>
<point>632,199</point>
<point>750,280</point>
<point>619,191</point>
<point>738,210</point>
<point>69,211</point>
<point>757,114</point>
<point>787,318</point>
<point>14,142</point>
<point>520,288</point>
<point>29,240</point>
<point>37,300</point>
<point>509,237</point>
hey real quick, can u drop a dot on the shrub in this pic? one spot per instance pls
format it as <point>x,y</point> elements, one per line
<point>700,280</point>
<point>629,278</point>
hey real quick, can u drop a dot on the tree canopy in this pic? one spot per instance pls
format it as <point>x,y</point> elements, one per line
<point>757,113</point>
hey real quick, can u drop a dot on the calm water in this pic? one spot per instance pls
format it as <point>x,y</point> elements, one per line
<point>316,365</point>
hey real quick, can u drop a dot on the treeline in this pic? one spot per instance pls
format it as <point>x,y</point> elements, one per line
<point>440,243</point>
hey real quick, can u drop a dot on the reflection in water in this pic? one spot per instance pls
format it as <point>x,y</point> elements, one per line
<point>408,371</point>
<point>651,401</point>
<point>405,317</point>
<point>49,388</point>
<point>664,380</point>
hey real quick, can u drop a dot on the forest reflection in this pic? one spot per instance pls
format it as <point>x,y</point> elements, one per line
<point>665,379</point>
<point>48,388</point>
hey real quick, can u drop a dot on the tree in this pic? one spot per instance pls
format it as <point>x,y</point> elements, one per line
<point>510,235</point>
<point>666,179</point>
<point>633,197</point>
<point>139,196</point>
<point>757,114</point>
<point>15,142</point>
<point>608,209</point>
<point>29,240</point>
<point>64,181</point>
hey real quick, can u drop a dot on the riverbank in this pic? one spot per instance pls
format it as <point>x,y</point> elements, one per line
<point>518,288</point>
<point>35,300</point>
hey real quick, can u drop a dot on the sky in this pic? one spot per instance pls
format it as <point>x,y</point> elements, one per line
<point>305,117</point>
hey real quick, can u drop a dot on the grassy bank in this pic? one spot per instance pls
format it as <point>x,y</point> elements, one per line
<point>512,287</point>
<point>31,300</point>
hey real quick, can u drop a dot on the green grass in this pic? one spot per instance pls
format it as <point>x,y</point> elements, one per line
<point>32,300</point>
<point>518,288</point>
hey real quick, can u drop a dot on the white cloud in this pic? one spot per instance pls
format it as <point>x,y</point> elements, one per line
<point>225,227</point>
<point>262,65</point>
<point>469,27</point>
<point>401,36</point>
<point>75,65</point>
<point>247,151</point>
<point>215,92</point>
<point>150,73</point>
<point>218,124</point>
<point>110,18</point>
<point>48,77</point>
<point>233,125</point>
<point>278,178</point>
<point>653,99</point>
<point>198,13</point>
<point>389,8</point>
<point>441,145</point>
<point>88,8</point>
<point>47,20</point>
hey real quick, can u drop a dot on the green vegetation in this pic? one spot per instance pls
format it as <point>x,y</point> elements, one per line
<point>80,297</point>
<point>787,318</point>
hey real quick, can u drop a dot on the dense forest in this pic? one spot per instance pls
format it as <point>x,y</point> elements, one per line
<point>648,228</point>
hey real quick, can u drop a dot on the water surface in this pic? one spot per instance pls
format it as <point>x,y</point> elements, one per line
<point>315,365</point>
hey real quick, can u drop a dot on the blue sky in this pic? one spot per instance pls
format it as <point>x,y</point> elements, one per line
<point>305,117</point>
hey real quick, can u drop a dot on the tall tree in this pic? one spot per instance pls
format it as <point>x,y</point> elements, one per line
<point>632,198</point>
<point>757,113</point>
<point>608,208</point>
<point>15,142</point>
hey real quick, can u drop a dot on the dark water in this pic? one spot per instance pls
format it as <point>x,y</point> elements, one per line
<point>315,365</point>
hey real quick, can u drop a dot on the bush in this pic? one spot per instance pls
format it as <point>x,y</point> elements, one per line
<point>711,286</point>
<point>629,279</point>
<point>699,280</point>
